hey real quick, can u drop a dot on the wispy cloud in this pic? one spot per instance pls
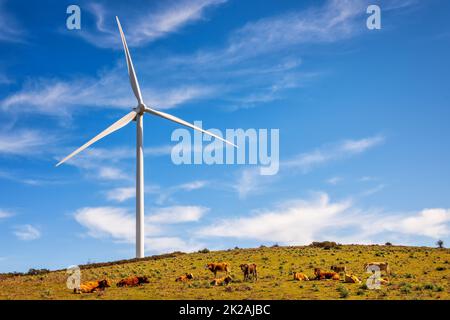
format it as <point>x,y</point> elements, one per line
<point>166,193</point>
<point>27,232</point>
<point>301,222</point>
<point>11,31</point>
<point>110,164</point>
<point>144,26</point>
<point>309,160</point>
<point>118,224</point>
<point>4,79</point>
<point>110,89</point>
<point>334,180</point>
<point>122,194</point>
<point>5,214</point>
<point>250,181</point>
<point>373,190</point>
<point>24,142</point>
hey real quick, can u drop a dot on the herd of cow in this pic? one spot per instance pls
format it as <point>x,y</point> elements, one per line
<point>249,272</point>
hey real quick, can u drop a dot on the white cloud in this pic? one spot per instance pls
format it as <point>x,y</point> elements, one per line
<point>23,142</point>
<point>27,232</point>
<point>433,223</point>
<point>373,190</point>
<point>334,180</point>
<point>177,214</point>
<point>147,25</point>
<point>358,146</point>
<point>307,161</point>
<point>111,173</point>
<point>297,222</point>
<point>5,214</point>
<point>194,185</point>
<point>249,182</point>
<point>301,222</point>
<point>119,224</point>
<point>169,244</point>
<point>165,194</point>
<point>121,194</point>
<point>113,222</point>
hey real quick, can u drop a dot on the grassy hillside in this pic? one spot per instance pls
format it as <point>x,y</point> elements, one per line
<point>417,273</point>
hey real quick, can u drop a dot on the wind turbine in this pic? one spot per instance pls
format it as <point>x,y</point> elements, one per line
<point>137,114</point>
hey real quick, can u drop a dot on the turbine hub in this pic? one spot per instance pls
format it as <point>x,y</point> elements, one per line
<point>140,109</point>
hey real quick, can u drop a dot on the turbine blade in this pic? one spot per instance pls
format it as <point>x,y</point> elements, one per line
<point>131,73</point>
<point>185,123</point>
<point>114,127</point>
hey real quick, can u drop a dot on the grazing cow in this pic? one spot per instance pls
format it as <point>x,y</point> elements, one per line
<point>300,276</point>
<point>132,281</point>
<point>384,266</point>
<point>321,275</point>
<point>185,278</point>
<point>339,269</point>
<point>92,286</point>
<point>350,278</point>
<point>249,269</point>
<point>222,281</point>
<point>215,267</point>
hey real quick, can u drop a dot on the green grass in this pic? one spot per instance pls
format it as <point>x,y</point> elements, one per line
<point>415,275</point>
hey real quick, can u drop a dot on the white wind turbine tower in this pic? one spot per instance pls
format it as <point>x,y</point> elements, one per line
<point>137,114</point>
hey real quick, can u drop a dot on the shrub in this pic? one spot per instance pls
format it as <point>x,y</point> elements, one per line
<point>34,272</point>
<point>327,245</point>
<point>343,291</point>
<point>441,269</point>
<point>405,288</point>
<point>206,250</point>
<point>388,244</point>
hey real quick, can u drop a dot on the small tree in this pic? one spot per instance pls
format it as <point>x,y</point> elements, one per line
<point>440,244</point>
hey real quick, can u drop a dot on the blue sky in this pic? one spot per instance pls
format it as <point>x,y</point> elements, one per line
<point>363,119</point>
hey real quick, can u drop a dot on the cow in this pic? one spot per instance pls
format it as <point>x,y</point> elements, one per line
<point>92,286</point>
<point>321,275</point>
<point>249,269</point>
<point>222,281</point>
<point>132,281</point>
<point>185,278</point>
<point>350,278</point>
<point>300,276</point>
<point>384,266</point>
<point>339,269</point>
<point>215,267</point>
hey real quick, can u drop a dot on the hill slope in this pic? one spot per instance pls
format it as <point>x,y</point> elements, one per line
<point>417,273</point>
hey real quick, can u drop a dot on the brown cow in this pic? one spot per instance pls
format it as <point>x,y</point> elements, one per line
<point>92,286</point>
<point>185,278</point>
<point>132,281</point>
<point>339,269</point>
<point>249,269</point>
<point>222,281</point>
<point>384,266</point>
<point>321,275</point>
<point>214,267</point>
<point>300,276</point>
<point>350,278</point>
